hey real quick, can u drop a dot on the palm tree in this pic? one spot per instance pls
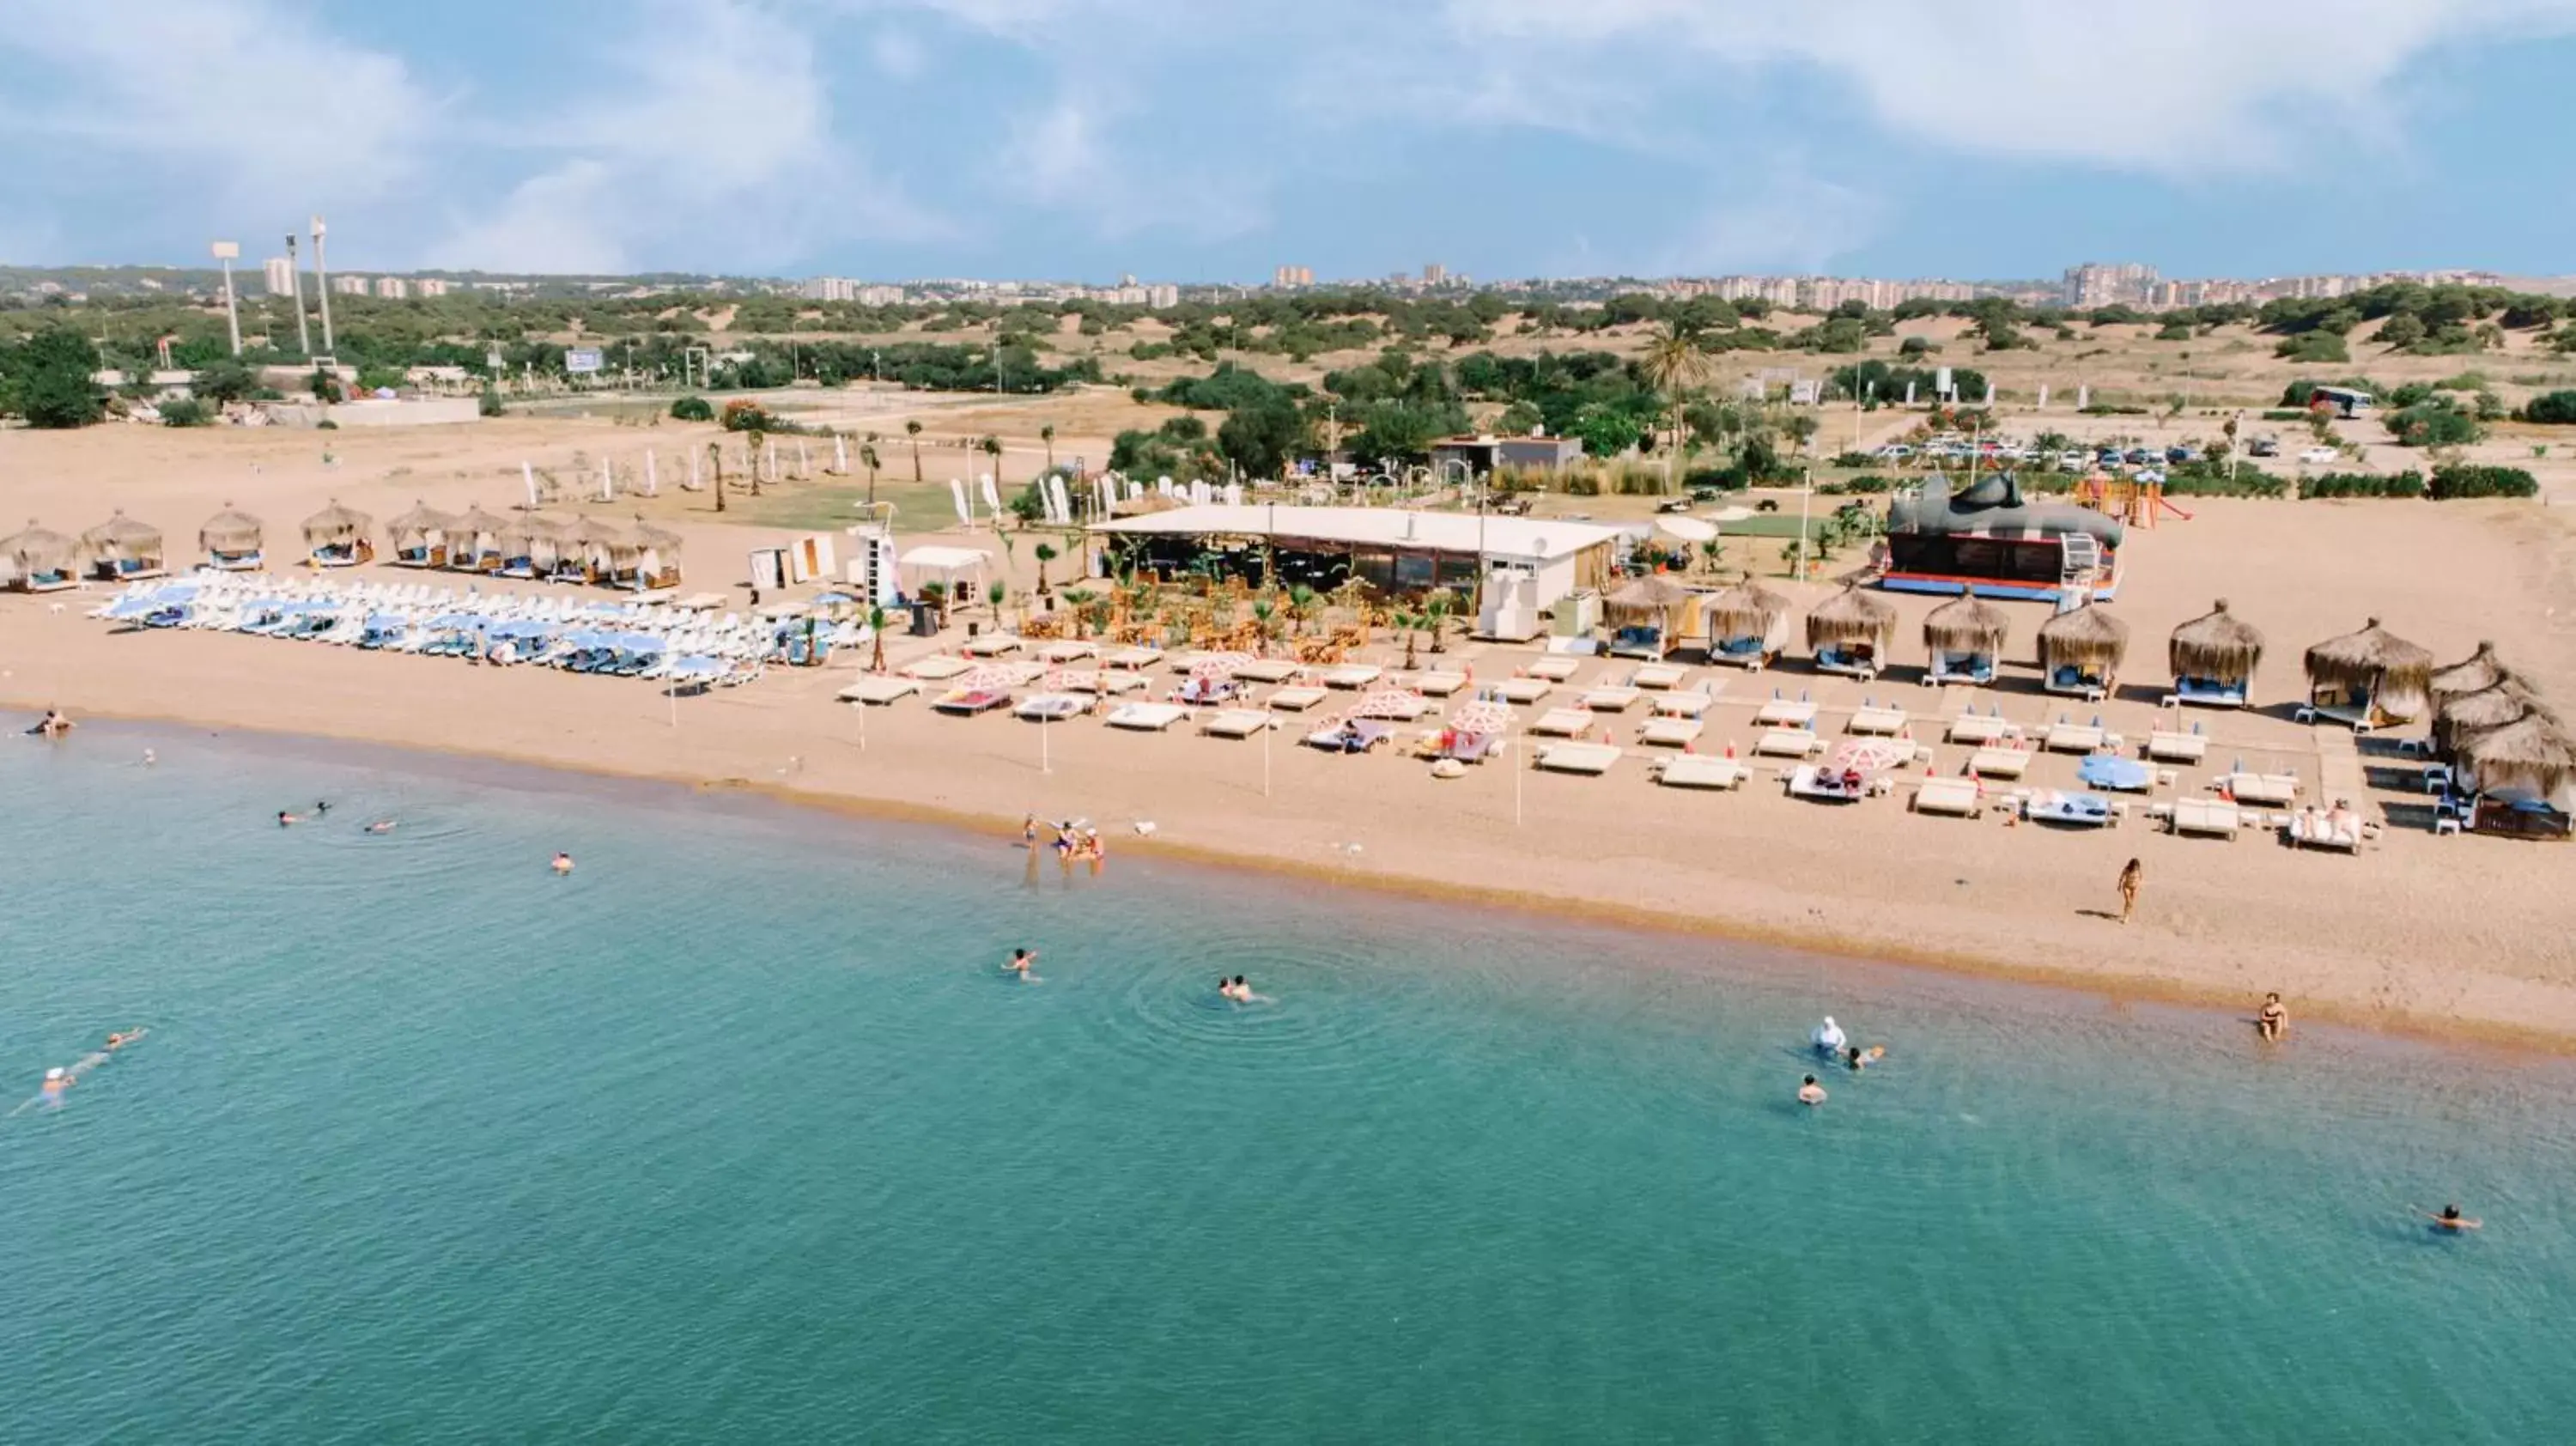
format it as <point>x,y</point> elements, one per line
<point>1674,363</point>
<point>868,459</point>
<point>992,447</point>
<point>912,429</point>
<point>1080,599</point>
<point>1301,606</point>
<point>1265,618</point>
<point>1437,606</point>
<point>758,442</point>
<point>1046,554</point>
<point>1410,624</point>
<point>715,461</point>
<point>994,595</point>
<point>1046,434</point>
<point>876,628</point>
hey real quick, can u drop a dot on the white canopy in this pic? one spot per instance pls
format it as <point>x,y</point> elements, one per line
<point>946,562</point>
<point>1443,532</point>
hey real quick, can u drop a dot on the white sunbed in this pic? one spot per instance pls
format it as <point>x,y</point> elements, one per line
<point>1585,758</point>
<point>1698,770</point>
<point>2177,747</point>
<point>1875,720</point>
<point>1564,722</point>
<point>1950,797</point>
<point>1609,698</point>
<point>881,689</point>
<point>1268,670</point>
<point>1439,683</point>
<point>2307,829</point>
<point>991,645</point>
<point>1236,722</point>
<point>1808,781</point>
<point>1787,743</point>
<point>1786,713</point>
<point>1555,670</point>
<point>2073,737</point>
<point>1108,683</point>
<point>2281,788</point>
<point>936,669</point>
<point>1523,690</point>
<point>1067,650</point>
<point>1147,717</point>
<point>2000,762</point>
<point>1671,732</point>
<point>1981,728</point>
<point>1130,657</point>
<point>2208,816</point>
<point>1296,698</point>
<point>1185,661</point>
<point>1352,675</point>
<point>1660,675</point>
<point>1052,707</point>
<point>1682,705</point>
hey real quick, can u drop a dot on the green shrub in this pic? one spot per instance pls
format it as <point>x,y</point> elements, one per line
<point>1724,479</point>
<point>185,412</point>
<point>489,404</point>
<point>2106,409</point>
<point>2409,483</point>
<point>2554,409</point>
<point>2314,346</point>
<point>2435,423</point>
<point>2464,481</point>
<point>2283,414</point>
<point>693,409</point>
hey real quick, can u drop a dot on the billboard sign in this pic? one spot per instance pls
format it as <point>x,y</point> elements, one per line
<point>581,360</point>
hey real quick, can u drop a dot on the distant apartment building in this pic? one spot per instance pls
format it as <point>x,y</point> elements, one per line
<point>349,285</point>
<point>1435,274</point>
<point>280,273</point>
<point>2098,283</point>
<point>880,296</point>
<point>1163,297</point>
<point>429,286</point>
<point>829,288</point>
<point>392,288</point>
<point>1285,277</point>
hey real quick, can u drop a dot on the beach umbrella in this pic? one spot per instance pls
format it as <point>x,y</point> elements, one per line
<point>37,550</point>
<point>2475,673</point>
<point>1652,595</point>
<point>1385,701</point>
<point>335,526</point>
<point>1966,625</point>
<point>1746,610</point>
<point>1220,666</point>
<point>122,539</point>
<point>1870,755</point>
<point>1483,715</point>
<point>1852,616</point>
<point>697,666</point>
<point>991,678</point>
<point>2530,757</point>
<point>2376,664</point>
<point>2216,645</point>
<point>230,531</point>
<point>2088,639</point>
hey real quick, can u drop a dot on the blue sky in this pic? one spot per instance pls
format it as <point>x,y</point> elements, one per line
<point>1212,139</point>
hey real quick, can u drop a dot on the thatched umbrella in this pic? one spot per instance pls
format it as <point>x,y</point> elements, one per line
<point>336,526</point>
<point>124,543</point>
<point>1966,625</point>
<point>2475,673</point>
<point>657,554</point>
<point>2375,668</point>
<point>417,524</point>
<point>1853,617</point>
<point>2457,717</point>
<point>1650,596</point>
<point>2217,646</point>
<point>229,531</point>
<point>2089,640</point>
<point>38,552</point>
<point>1746,610</point>
<point>2531,756</point>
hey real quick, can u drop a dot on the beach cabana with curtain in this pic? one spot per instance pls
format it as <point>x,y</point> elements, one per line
<point>475,541</point>
<point>585,551</point>
<point>2524,776</point>
<point>1965,640</point>
<point>420,536</point>
<point>336,536</point>
<point>2369,679</point>
<point>647,559</point>
<point>122,549</point>
<point>1852,633</point>
<point>2080,652</point>
<point>2213,658</point>
<point>38,560</point>
<point>2464,715</point>
<point>528,546</point>
<point>1648,615</point>
<point>232,541</point>
<point>2475,673</point>
<point>1748,625</point>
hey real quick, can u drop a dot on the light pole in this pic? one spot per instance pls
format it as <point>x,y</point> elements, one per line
<point>295,289</point>
<point>322,288</point>
<point>225,251</point>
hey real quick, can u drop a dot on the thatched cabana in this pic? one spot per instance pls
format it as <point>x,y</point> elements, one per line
<point>528,544</point>
<point>2475,673</point>
<point>2461,715</point>
<point>420,536</point>
<point>2080,652</point>
<point>1748,624</point>
<point>2368,679</point>
<point>475,541</point>
<point>2525,777</point>
<point>586,549</point>
<point>232,541</point>
<point>1852,632</point>
<point>1647,614</point>
<point>1966,640</point>
<point>649,559</point>
<point>122,549</point>
<point>39,559</point>
<point>2213,658</point>
<point>336,536</point>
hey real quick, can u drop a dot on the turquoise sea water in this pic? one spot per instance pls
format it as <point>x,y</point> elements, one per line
<point>737,1134</point>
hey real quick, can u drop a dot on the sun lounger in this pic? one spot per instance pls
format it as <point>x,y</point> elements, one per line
<point>1825,785</point>
<point>2357,717</point>
<point>1523,690</point>
<point>1698,770</point>
<point>1185,662</point>
<point>1067,650</point>
<point>2263,788</point>
<point>1295,698</point>
<point>966,702</point>
<point>1130,657</point>
<point>1682,705</point>
<point>1566,722</point>
<point>1787,713</point>
<point>1555,670</point>
<point>1981,729</point>
<point>1147,717</point>
<point>1439,683</point>
<point>1204,691</point>
<point>2065,737</point>
<point>1352,675</point>
<point>1950,797</point>
<point>1869,719</point>
<point>1848,662</point>
<point>880,690</point>
<point>936,669</point>
<point>1999,762</point>
<point>1660,675</point>
<point>1052,707</point>
<point>1108,683</point>
<point>1787,743</point>
<point>1269,670</point>
<point>1585,758</point>
<point>2314,830</point>
<point>1671,732</point>
<point>991,645</point>
<point>1609,698</point>
<point>2168,746</point>
<point>1353,736</point>
<point>1236,723</point>
<point>2207,693</point>
<point>2206,816</point>
<point>2072,810</point>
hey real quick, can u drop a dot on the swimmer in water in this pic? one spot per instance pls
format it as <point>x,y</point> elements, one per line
<point>1828,1037</point>
<point>382,825</point>
<point>119,1041</point>
<point>1810,1092</point>
<point>2451,1219</point>
<point>148,759</point>
<point>1021,959</point>
<point>284,818</point>
<point>1860,1059</point>
<point>563,863</point>
<point>320,808</point>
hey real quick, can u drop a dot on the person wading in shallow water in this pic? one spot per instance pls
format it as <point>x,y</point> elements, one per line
<point>2130,877</point>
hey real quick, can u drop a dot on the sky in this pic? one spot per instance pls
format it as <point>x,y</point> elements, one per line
<point>1211,140</point>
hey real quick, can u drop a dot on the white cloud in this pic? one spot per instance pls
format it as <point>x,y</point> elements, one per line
<point>1789,221</point>
<point>897,55</point>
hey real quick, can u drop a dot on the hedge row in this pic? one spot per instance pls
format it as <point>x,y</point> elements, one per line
<point>2409,483</point>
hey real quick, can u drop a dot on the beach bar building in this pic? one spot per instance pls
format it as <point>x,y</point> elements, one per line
<point>122,549</point>
<point>2213,658</point>
<point>1852,633</point>
<point>1518,568</point>
<point>420,536</point>
<point>1988,538</point>
<point>38,560</point>
<point>2369,679</point>
<point>232,541</point>
<point>2080,652</point>
<point>336,536</point>
<point>1965,639</point>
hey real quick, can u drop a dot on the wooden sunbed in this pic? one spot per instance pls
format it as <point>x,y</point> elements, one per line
<point>1950,797</point>
<point>1609,698</point>
<point>1523,690</point>
<point>2206,816</point>
<point>1682,705</point>
<point>1352,675</point>
<point>936,669</point>
<point>1439,683</point>
<point>2269,788</point>
<point>1554,669</point>
<point>1147,717</point>
<point>1981,728</point>
<point>1787,743</point>
<point>1786,713</point>
<point>1237,723</point>
<point>1564,722</point>
<point>1269,670</point>
<point>2177,747</point>
<point>1585,758</point>
<point>2315,831</point>
<point>991,645</point>
<point>1130,657</point>
<point>880,689</point>
<point>1872,720</point>
<point>1296,698</point>
<point>2000,762</point>
<point>1660,675</point>
<point>1067,650</point>
<point>1698,770</point>
<point>1671,732</point>
<point>2072,737</point>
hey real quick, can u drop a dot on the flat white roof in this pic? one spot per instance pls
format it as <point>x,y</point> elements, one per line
<point>1388,527</point>
<point>944,559</point>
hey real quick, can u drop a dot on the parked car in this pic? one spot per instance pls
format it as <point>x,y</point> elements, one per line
<point>2176,456</point>
<point>2266,447</point>
<point>2318,456</point>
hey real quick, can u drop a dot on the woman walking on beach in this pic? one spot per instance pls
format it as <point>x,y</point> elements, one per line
<point>2130,878</point>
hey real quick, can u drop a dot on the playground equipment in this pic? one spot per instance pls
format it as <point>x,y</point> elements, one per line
<point>2136,501</point>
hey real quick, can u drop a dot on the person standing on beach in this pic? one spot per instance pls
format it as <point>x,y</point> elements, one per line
<point>2272,1021</point>
<point>2130,877</point>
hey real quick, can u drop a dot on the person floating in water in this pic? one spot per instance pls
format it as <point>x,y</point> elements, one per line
<point>382,825</point>
<point>116,1042</point>
<point>1860,1059</point>
<point>563,863</point>
<point>1828,1037</point>
<point>284,818</point>
<point>1810,1092</point>
<point>57,1080</point>
<point>320,808</point>
<point>1021,961</point>
<point>1238,989</point>
<point>2451,1219</point>
<point>53,725</point>
<point>2272,1021</point>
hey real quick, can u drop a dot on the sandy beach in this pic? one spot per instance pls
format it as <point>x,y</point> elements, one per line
<point>2457,936</point>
